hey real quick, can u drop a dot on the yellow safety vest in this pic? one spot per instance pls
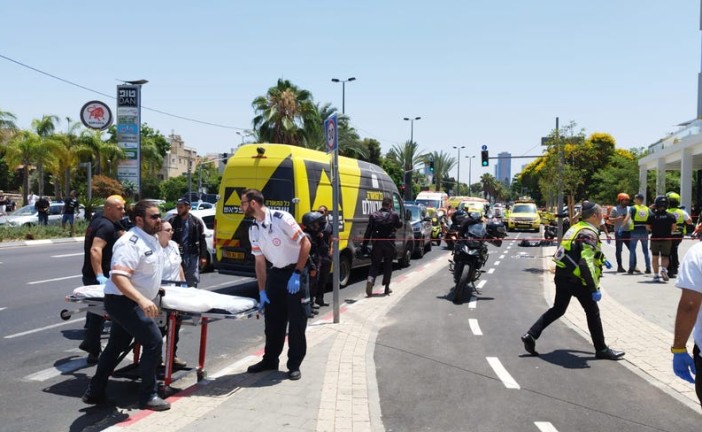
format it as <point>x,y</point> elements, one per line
<point>641,213</point>
<point>565,257</point>
<point>679,221</point>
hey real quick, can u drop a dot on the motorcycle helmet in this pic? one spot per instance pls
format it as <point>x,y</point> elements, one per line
<point>673,199</point>
<point>622,196</point>
<point>313,222</point>
<point>661,202</point>
<point>459,216</point>
<point>474,217</point>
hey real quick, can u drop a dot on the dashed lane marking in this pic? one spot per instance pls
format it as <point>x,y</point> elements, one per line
<point>502,373</point>
<point>497,263</point>
<point>545,427</point>
<point>67,255</point>
<point>2,308</point>
<point>481,284</point>
<point>474,327</point>
<point>12,336</point>
<point>57,370</point>
<point>53,280</point>
<point>473,302</point>
<point>491,271</point>
<point>502,256</point>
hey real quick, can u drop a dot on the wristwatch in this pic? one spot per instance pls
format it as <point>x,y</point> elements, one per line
<point>678,350</point>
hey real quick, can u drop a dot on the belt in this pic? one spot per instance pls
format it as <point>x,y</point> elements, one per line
<point>287,267</point>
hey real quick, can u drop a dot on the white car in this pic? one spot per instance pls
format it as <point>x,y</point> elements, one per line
<point>207,218</point>
<point>29,216</point>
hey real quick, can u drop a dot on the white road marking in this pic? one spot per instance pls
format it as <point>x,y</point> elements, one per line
<point>55,371</point>
<point>545,427</point>
<point>491,271</point>
<point>502,373</point>
<point>53,280</point>
<point>44,328</point>
<point>481,284</point>
<point>502,257</point>
<point>473,302</point>
<point>2,308</point>
<point>67,255</point>
<point>474,327</point>
<point>235,367</point>
<point>497,263</point>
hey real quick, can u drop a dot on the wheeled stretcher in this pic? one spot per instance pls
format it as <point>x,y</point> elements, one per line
<point>194,306</point>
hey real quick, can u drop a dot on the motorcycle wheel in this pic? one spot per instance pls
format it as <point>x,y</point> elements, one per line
<point>461,272</point>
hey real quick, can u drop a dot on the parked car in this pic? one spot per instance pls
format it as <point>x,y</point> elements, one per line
<point>207,217</point>
<point>421,227</point>
<point>29,216</point>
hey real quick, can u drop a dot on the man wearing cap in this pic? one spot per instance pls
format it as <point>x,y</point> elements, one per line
<point>638,215</point>
<point>579,262</point>
<point>189,233</point>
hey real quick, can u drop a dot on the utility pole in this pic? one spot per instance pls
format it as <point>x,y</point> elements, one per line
<point>559,199</point>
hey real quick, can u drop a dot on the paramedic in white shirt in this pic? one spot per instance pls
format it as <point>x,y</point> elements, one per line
<point>130,300</point>
<point>277,238</point>
<point>689,316</point>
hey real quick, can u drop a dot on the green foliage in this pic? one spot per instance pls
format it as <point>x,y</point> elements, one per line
<point>104,186</point>
<point>151,187</point>
<point>174,188</point>
<point>39,232</point>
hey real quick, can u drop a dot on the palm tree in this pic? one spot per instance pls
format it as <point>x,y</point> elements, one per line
<point>443,164</point>
<point>19,153</point>
<point>283,113</point>
<point>45,129</point>
<point>408,155</point>
<point>490,185</point>
<point>8,127</point>
<point>68,155</point>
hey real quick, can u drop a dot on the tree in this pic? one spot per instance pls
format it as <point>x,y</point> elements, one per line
<point>44,127</point>
<point>373,151</point>
<point>490,185</point>
<point>19,153</point>
<point>104,186</point>
<point>620,174</point>
<point>281,115</point>
<point>408,155</point>
<point>8,127</point>
<point>443,164</point>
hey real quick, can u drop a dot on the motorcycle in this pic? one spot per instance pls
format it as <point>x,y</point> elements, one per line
<point>451,235</point>
<point>471,253</point>
<point>437,227</point>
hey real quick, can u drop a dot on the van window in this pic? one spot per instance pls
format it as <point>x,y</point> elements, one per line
<point>434,203</point>
<point>524,208</point>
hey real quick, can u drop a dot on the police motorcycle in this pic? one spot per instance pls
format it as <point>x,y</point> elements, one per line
<point>437,226</point>
<point>451,230</point>
<point>470,252</point>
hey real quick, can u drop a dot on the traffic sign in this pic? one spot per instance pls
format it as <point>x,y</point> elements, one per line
<point>331,133</point>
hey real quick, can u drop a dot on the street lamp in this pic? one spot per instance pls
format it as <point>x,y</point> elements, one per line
<point>343,91</point>
<point>243,134</point>
<point>470,173</point>
<point>458,170</point>
<point>411,120</point>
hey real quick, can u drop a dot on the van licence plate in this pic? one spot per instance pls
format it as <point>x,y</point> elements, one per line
<point>234,255</point>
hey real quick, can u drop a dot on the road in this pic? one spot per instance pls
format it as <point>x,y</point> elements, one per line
<point>460,368</point>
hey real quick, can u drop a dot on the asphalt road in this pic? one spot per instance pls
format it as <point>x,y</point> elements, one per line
<point>441,370</point>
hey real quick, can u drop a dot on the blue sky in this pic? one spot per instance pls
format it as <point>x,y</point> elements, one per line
<point>489,72</point>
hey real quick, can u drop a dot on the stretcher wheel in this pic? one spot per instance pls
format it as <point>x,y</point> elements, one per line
<point>201,375</point>
<point>65,314</point>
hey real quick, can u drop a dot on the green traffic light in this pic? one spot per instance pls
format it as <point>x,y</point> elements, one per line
<point>485,163</point>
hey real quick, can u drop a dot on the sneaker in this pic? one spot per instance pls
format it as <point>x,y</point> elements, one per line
<point>656,278</point>
<point>609,354</point>
<point>648,271</point>
<point>664,275</point>
<point>155,403</point>
<point>529,344</point>
<point>179,363</point>
<point>388,291</point>
<point>93,358</point>
<point>621,270</point>
<point>631,272</point>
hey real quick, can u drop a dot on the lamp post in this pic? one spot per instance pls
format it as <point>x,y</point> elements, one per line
<point>343,91</point>
<point>411,120</point>
<point>470,171</point>
<point>458,170</point>
<point>243,134</point>
<point>407,178</point>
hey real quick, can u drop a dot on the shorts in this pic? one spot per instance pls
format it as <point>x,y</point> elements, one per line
<point>661,246</point>
<point>67,218</point>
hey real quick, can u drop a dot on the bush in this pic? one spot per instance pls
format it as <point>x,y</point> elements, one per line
<point>104,186</point>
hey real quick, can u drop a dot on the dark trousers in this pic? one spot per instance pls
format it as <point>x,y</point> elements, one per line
<point>128,322</point>
<point>674,262</point>
<point>43,218</point>
<point>565,289</point>
<point>285,311</point>
<point>322,278</point>
<point>698,375</point>
<point>191,268</point>
<point>94,324</point>
<point>383,252</point>
<point>622,240</point>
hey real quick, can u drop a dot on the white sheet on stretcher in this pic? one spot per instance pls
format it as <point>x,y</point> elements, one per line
<point>191,300</point>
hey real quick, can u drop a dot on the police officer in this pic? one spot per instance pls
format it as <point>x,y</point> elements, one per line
<point>313,224</point>
<point>682,220</point>
<point>579,262</point>
<point>130,296</point>
<point>100,237</point>
<point>638,213</point>
<point>325,256</point>
<point>381,228</point>
<point>189,233</point>
<point>276,237</point>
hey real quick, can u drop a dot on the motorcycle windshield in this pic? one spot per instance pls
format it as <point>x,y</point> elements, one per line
<point>477,230</point>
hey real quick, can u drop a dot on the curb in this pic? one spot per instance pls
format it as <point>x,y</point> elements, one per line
<point>20,243</point>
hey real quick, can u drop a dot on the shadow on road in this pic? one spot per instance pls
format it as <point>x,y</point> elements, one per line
<point>569,359</point>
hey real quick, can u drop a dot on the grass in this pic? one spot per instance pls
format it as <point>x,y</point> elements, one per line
<point>39,232</point>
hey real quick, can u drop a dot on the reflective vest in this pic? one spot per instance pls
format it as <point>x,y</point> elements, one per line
<point>567,257</point>
<point>641,213</point>
<point>679,221</point>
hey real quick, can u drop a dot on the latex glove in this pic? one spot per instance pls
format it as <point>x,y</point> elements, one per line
<point>294,283</point>
<point>102,280</point>
<point>262,299</point>
<point>183,284</point>
<point>683,364</point>
<point>597,296</point>
<point>619,233</point>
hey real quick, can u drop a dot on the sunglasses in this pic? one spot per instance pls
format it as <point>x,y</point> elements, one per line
<point>155,216</point>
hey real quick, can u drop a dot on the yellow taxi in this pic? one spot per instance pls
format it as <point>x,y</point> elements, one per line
<point>524,216</point>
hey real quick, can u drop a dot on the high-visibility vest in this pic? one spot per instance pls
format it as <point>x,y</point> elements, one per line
<point>679,221</point>
<point>641,213</point>
<point>567,258</point>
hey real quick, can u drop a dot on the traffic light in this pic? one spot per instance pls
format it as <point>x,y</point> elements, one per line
<point>484,158</point>
<point>431,166</point>
<point>224,158</point>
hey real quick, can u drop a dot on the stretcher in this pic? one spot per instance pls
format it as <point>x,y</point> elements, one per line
<point>193,306</point>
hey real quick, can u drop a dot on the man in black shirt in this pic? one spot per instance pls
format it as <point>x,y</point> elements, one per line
<point>661,224</point>
<point>69,211</point>
<point>100,237</point>
<point>189,233</point>
<point>42,207</point>
<point>382,225</point>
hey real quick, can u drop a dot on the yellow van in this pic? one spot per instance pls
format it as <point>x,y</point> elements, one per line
<point>298,180</point>
<point>524,216</point>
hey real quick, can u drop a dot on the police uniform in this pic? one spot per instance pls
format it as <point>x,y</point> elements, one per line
<point>278,239</point>
<point>138,256</point>
<point>639,214</point>
<point>381,228</point>
<point>578,269</point>
<point>681,217</point>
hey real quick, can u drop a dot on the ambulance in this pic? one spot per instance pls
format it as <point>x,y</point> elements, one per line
<point>298,180</point>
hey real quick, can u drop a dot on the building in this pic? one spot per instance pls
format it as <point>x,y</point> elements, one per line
<point>503,168</point>
<point>178,159</point>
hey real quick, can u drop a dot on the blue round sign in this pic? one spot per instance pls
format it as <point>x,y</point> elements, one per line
<point>484,147</point>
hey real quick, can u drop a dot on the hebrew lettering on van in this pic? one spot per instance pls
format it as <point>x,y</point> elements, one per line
<point>232,200</point>
<point>372,202</point>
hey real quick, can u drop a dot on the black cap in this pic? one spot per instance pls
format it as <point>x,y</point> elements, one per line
<point>587,205</point>
<point>184,201</point>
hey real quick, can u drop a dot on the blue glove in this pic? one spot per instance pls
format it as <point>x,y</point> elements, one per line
<point>683,364</point>
<point>294,283</point>
<point>183,284</point>
<point>619,233</point>
<point>262,299</point>
<point>596,296</point>
<point>102,280</point>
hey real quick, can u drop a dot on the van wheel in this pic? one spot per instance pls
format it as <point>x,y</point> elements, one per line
<point>428,245</point>
<point>419,250</point>
<point>344,270</point>
<point>406,256</point>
